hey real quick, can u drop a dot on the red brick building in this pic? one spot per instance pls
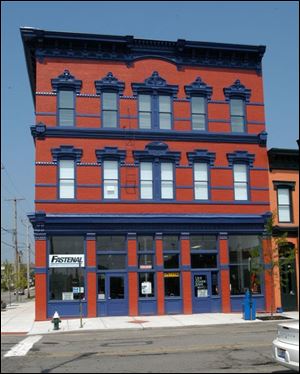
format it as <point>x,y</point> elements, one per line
<point>151,174</point>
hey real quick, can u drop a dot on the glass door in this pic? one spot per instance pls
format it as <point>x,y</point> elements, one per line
<point>201,283</point>
<point>117,302</point>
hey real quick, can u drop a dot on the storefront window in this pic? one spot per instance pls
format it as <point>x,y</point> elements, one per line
<point>66,284</point>
<point>146,285</point>
<point>101,287</point>
<point>145,251</point>
<point>203,242</point>
<point>241,249</point>
<point>203,261</point>
<point>170,243</point>
<point>111,243</point>
<point>214,283</point>
<point>66,245</point>
<point>145,261</point>
<point>172,284</point>
<point>171,261</point>
<point>111,262</point>
<point>145,243</point>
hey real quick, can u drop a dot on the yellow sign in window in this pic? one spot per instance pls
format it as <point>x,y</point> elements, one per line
<point>171,275</point>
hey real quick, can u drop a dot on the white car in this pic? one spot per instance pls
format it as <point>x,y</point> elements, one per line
<point>286,345</point>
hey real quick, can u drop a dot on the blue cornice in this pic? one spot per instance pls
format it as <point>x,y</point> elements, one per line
<point>82,224</point>
<point>66,152</point>
<point>157,152</point>
<point>66,81</point>
<point>109,83</point>
<point>237,91</point>
<point>154,85</point>
<point>241,157</point>
<point>201,155</point>
<point>40,131</point>
<point>198,87</point>
<point>39,44</point>
<point>110,153</point>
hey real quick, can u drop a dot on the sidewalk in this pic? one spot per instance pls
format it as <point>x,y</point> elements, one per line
<point>19,318</point>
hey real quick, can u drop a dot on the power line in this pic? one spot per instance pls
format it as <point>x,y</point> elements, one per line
<point>7,244</point>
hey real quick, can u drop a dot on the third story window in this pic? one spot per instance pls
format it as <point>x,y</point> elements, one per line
<point>111,179</point>
<point>284,205</point>
<point>201,181</point>
<point>240,182</point>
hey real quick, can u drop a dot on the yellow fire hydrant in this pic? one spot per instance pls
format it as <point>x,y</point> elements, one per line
<point>56,321</point>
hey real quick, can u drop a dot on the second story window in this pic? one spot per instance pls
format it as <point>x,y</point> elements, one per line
<point>66,108</point>
<point>66,179</point>
<point>109,110</point>
<point>110,179</point>
<point>162,173</point>
<point>201,180</point>
<point>237,115</point>
<point>240,175</point>
<point>284,204</point>
<point>146,180</point>
<point>167,180</point>
<point>198,113</point>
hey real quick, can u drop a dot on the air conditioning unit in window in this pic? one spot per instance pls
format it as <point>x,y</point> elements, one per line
<point>111,189</point>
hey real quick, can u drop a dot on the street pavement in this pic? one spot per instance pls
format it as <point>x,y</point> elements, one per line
<point>19,318</point>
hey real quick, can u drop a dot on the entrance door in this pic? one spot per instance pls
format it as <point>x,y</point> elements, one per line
<point>288,284</point>
<point>201,284</point>
<point>117,303</point>
<point>112,295</point>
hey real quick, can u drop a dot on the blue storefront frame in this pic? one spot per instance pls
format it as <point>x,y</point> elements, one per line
<point>204,304</point>
<point>113,306</point>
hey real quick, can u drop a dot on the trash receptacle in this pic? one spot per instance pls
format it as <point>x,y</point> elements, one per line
<point>249,307</point>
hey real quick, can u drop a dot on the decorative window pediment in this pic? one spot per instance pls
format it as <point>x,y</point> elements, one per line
<point>110,153</point>
<point>241,157</point>
<point>282,184</point>
<point>157,152</point>
<point>237,90</point>
<point>109,83</point>
<point>198,87</point>
<point>155,85</point>
<point>66,81</point>
<point>66,152</point>
<point>201,155</point>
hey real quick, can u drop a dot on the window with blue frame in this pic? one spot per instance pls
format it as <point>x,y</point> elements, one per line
<point>111,252</point>
<point>240,176</point>
<point>66,108</point>
<point>109,109</point>
<point>203,251</point>
<point>110,179</point>
<point>66,87</point>
<point>171,254</point>
<point>66,179</point>
<point>199,116</point>
<point>237,115</point>
<point>146,253</point>
<point>163,175</point>
<point>242,248</point>
<point>155,112</point>
<point>284,204</point>
<point>201,180</point>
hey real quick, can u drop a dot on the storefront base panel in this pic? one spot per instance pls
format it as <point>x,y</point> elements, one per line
<point>112,309</point>
<point>173,306</point>
<point>67,309</point>
<point>147,307</point>
<point>237,303</point>
<point>209,305</point>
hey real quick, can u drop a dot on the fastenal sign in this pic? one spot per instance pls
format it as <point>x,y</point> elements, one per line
<point>66,261</point>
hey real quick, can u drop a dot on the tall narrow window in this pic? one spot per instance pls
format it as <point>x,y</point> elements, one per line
<point>66,179</point>
<point>145,111</point>
<point>237,114</point>
<point>167,180</point>
<point>165,112</point>
<point>109,110</point>
<point>111,179</point>
<point>146,180</point>
<point>284,205</point>
<point>201,181</point>
<point>198,113</point>
<point>66,108</point>
<point>240,182</point>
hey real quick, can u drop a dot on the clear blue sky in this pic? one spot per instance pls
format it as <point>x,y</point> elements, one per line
<point>271,23</point>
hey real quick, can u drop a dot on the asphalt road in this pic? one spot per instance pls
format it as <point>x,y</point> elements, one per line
<point>210,349</point>
<point>11,298</point>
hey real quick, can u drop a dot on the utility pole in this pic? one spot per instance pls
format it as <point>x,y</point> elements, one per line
<point>28,257</point>
<point>17,258</point>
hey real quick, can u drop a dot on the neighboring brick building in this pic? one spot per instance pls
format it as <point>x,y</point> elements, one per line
<point>284,197</point>
<point>151,171</point>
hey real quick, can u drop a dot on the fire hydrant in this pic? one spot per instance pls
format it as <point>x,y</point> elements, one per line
<point>56,321</point>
